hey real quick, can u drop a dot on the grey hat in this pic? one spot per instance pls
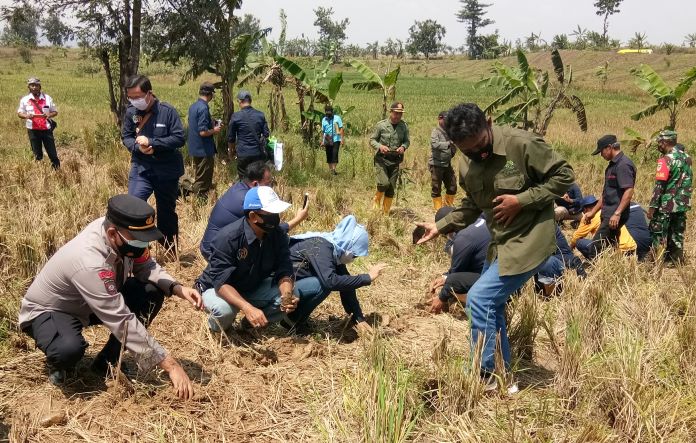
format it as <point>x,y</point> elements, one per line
<point>243,95</point>
<point>33,81</point>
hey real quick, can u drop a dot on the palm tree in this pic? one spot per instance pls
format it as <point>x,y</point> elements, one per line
<point>580,35</point>
<point>690,40</point>
<point>672,100</point>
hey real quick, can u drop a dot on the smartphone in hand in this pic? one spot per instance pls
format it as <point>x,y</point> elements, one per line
<point>306,200</point>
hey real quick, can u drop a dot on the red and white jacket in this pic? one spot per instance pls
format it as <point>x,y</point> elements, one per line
<point>30,105</point>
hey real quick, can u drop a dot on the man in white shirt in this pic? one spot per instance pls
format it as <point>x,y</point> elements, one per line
<point>37,109</point>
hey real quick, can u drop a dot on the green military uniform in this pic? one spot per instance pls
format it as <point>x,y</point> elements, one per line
<point>387,165</point>
<point>522,164</point>
<point>671,200</point>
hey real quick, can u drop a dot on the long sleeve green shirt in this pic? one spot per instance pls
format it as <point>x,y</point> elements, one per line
<point>388,135</point>
<point>524,165</point>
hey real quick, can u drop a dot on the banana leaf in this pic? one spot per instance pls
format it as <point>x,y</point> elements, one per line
<point>368,74</point>
<point>685,83</point>
<point>558,68</point>
<point>647,112</point>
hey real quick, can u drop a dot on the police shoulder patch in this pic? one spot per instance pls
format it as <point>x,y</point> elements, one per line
<point>108,278</point>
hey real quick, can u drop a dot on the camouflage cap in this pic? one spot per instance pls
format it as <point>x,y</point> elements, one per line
<point>33,81</point>
<point>667,134</point>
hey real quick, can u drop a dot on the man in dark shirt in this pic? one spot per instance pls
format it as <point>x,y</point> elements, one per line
<point>568,207</point>
<point>619,181</point>
<point>153,133</point>
<point>468,248</point>
<point>637,226</point>
<point>250,268</point>
<point>201,145</point>
<point>247,134</point>
<point>230,207</point>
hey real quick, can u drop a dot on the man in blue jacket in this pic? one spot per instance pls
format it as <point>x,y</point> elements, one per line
<point>153,133</point>
<point>247,134</point>
<point>201,143</point>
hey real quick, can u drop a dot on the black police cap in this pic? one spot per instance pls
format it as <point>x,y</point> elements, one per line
<point>133,215</point>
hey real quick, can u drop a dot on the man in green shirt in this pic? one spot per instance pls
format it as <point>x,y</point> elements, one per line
<point>513,177</point>
<point>390,141</point>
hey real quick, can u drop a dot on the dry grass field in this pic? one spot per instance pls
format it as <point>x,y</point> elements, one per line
<point>613,359</point>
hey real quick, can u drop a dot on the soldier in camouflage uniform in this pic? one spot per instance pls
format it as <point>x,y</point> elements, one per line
<point>671,197</point>
<point>389,140</point>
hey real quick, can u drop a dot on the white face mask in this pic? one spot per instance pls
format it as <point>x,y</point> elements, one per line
<point>346,258</point>
<point>139,103</point>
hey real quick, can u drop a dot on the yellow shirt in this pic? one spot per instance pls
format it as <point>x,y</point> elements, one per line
<point>626,242</point>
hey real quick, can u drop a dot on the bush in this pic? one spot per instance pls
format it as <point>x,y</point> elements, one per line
<point>25,54</point>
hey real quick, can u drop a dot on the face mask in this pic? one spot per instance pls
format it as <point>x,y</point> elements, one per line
<point>139,103</point>
<point>132,248</point>
<point>346,258</point>
<point>268,222</point>
<point>482,154</point>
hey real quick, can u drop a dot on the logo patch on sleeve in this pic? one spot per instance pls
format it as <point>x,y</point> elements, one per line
<point>662,173</point>
<point>107,277</point>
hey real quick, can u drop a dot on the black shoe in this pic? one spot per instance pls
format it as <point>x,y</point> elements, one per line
<point>334,172</point>
<point>56,377</point>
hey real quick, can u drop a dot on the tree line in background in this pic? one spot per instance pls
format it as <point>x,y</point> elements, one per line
<point>209,37</point>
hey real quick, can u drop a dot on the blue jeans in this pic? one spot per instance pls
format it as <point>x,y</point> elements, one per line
<point>550,270</point>
<point>584,245</point>
<point>486,306</point>
<point>265,297</point>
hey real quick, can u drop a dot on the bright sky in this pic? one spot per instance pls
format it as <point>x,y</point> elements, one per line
<point>372,20</point>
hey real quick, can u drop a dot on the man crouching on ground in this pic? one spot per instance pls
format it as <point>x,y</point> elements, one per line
<point>250,269</point>
<point>88,282</point>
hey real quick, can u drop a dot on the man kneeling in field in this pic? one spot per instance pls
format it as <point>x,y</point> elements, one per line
<point>250,269</point>
<point>87,282</point>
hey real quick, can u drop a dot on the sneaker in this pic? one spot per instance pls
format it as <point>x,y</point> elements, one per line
<point>56,377</point>
<point>492,386</point>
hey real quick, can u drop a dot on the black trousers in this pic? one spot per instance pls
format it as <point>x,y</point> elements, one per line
<point>605,236</point>
<point>459,283</point>
<point>59,334</point>
<point>40,139</point>
<point>243,162</point>
<point>332,152</point>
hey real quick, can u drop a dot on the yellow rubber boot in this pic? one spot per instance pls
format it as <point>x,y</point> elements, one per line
<point>449,200</point>
<point>387,205</point>
<point>437,203</point>
<point>377,202</point>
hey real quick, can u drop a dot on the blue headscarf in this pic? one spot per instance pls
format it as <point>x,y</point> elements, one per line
<point>348,236</point>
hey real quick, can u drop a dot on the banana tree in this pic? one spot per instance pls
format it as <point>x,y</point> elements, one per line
<point>314,84</point>
<point>672,100</point>
<point>527,89</point>
<point>263,67</point>
<point>373,82</point>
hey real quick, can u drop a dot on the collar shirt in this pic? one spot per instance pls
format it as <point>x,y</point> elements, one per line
<point>239,259</point>
<point>389,135</point>
<point>524,165</point>
<point>575,196</point>
<point>84,277</point>
<point>441,148</point>
<point>166,134</point>
<point>626,242</point>
<point>199,120</point>
<point>31,105</point>
<point>619,176</point>
<point>248,129</point>
<point>330,128</point>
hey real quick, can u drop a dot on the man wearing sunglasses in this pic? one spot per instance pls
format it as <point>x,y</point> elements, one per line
<point>105,275</point>
<point>513,177</point>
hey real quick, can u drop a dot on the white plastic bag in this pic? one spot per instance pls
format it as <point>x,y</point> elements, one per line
<point>278,156</point>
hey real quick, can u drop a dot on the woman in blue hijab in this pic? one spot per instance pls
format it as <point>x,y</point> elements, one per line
<point>324,255</point>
